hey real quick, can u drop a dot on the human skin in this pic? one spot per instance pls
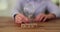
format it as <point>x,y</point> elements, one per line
<point>19,18</point>
<point>44,17</point>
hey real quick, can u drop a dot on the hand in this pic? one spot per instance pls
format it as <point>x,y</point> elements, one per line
<point>44,17</point>
<point>19,18</point>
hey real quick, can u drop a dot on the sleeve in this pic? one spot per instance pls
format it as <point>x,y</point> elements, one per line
<point>16,8</point>
<point>53,8</point>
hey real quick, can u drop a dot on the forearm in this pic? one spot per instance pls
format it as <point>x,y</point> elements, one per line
<point>53,9</point>
<point>16,9</point>
<point>51,16</point>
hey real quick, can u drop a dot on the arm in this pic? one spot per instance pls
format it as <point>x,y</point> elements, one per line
<point>53,12</point>
<point>17,13</point>
<point>16,9</point>
<point>53,8</point>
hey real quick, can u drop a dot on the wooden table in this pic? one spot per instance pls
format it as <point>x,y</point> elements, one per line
<point>7,25</point>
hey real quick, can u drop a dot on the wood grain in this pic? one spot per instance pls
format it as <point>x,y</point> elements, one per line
<point>7,25</point>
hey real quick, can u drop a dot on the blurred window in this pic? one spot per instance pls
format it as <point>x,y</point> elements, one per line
<point>3,4</point>
<point>55,1</point>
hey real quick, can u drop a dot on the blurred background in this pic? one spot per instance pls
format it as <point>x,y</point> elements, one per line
<point>6,5</point>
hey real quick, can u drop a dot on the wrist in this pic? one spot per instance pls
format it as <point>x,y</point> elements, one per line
<point>16,15</point>
<point>51,16</point>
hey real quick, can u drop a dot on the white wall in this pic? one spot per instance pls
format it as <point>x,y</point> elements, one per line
<point>7,12</point>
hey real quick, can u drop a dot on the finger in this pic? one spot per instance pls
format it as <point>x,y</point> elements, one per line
<point>18,20</point>
<point>26,20</point>
<point>41,18</point>
<point>21,15</point>
<point>37,18</point>
<point>44,19</point>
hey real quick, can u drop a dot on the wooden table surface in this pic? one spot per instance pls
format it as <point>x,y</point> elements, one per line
<point>7,25</point>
